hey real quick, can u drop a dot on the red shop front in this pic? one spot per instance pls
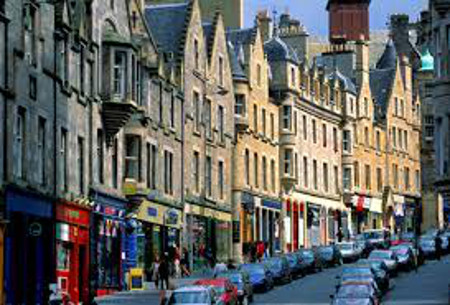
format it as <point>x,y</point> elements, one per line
<point>72,250</point>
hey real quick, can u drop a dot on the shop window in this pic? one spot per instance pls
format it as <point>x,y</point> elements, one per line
<point>132,157</point>
<point>168,172</point>
<point>63,256</point>
<point>41,150</point>
<point>240,106</point>
<point>119,74</point>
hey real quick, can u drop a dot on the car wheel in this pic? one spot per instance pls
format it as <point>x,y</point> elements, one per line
<point>244,301</point>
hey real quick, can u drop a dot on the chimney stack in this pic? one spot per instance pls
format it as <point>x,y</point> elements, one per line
<point>265,24</point>
<point>362,63</point>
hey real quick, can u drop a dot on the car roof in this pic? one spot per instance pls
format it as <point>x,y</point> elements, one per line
<point>212,282</point>
<point>192,288</point>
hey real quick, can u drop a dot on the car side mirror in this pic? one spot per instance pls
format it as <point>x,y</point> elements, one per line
<point>331,296</point>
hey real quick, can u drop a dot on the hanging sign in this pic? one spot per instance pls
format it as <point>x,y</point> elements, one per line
<point>35,229</point>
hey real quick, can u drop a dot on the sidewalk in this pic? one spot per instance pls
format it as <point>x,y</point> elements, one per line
<point>151,290</point>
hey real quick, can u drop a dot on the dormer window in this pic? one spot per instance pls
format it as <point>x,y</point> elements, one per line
<point>119,73</point>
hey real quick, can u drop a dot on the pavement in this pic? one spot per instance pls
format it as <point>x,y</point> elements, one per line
<point>427,287</point>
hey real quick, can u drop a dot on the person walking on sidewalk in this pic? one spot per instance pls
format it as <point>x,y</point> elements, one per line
<point>163,272</point>
<point>155,271</point>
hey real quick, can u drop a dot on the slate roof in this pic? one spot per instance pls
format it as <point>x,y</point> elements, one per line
<point>388,59</point>
<point>236,69</point>
<point>241,37</point>
<point>167,22</point>
<point>277,50</point>
<point>381,82</point>
<point>344,81</point>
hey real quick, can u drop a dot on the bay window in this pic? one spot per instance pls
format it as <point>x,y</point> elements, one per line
<point>119,74</point>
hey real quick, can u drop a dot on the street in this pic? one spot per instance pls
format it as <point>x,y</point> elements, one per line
<point>428,287</point>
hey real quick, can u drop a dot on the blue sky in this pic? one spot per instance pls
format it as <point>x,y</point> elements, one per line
<point>312,13</point>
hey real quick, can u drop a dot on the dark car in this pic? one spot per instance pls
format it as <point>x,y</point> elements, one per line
<point>377,238</point>
<point>405,256</point>
<point>380,271</point>
<point>330,256</point>
<point>364,245</point>
<point>241,279</point>
<point>355,294</point>
<point>310,260</point>
<point>388,257</point>
<point>279,267</point>
<point>260,276</point>
<point>428,246</point>
<point>296,265</point>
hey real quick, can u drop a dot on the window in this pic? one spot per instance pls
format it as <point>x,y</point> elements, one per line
<point>255,169</point>
<point>296,166</point>
<point>255,118</point>
<point>402,108</point>
<point>305,172</point>
<point>314,131</point>
<point>31,32</point>
<point>63,59</point>
<point>20,142</point>
<point>368,175</point>
<point>196,101</point>
<point>366,107</point>
<point>172,110</point>
<point>82,71</point>
<point>379,180</point>
<point>287,113</point>
<point>272,126</point>
<point>396,107</point>
<point>41,150</point>
<point>395,171</point>
<point>119,74</point>
<point>406,178</point>
<point>405,138</point>
<point>221,71</point>
<point>335,139</point>
<point>273,175</point>
<point>264,168</point>
<point>417,181</point>
<point>168,172</point>
<point>324,135</point>
<point>91,80</point>
<point>240,104</point>
<point>325,177</point>
<point>315,178</point>
<point>293,78</point>
<point>111,4</point>
<point>295,123</point>
<point>394,136</point>
<point>63,160</point>
<point>208,122</point>
<point>400,138</point>
<point>138,84</point>
<point>429,127</point>
<point>221,122</point>
<point>288,162</point>
<point>259,75</point>
<point>80,162</point>
<point>347,141</point>
<point>208,176</point>
<point>356,166</point>
<point>263,121</point>
<point>247,167</point>
<point>366,137</point>
<point>100,156</point>
<point>305,128</point>
<point>221,180</point>
<point>115,164</point>
<point>347,178</point>
<point>336,179</point>
<point>161,104</point>
<point>32,87</point>
<point>152,155</point>
<point>196,54</point>
<point>196,171</point>
<point>132,157</point>
<point>378,140</point>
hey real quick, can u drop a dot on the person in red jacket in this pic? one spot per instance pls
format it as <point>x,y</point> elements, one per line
<point>260,250</point>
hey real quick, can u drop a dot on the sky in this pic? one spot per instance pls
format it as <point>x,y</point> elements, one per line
<point>313,15</point>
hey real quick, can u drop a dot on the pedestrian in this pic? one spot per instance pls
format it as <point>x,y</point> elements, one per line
<point>438,243</point>
<point>340,235</point>
<point>184,263</point>
<point>230,265</point>
<point>260,250</point>
<point>163,273</point>
<point>155,271</point>
<point>219,268</point>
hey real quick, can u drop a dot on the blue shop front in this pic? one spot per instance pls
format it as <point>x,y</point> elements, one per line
<point>108,243</point>
<point>29,247</point>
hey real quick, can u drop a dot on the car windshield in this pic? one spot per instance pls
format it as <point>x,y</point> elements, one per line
<point>345,246</point>
<point>253,269</point>
<point>194,297</point>
<point>373,235</point>
<point>275,263</point>
<point>380,254</point>
<point>400,250</point>
<point>351,291</point>
<point>357,271</point>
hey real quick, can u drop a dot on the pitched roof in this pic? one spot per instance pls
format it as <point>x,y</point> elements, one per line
<point>168,23</point>
<point>346,83</point>
<point>236,68</point>
<point>242,36</point>
<point>277,50</point>
<point>388,59</point>
<point>381,82</point>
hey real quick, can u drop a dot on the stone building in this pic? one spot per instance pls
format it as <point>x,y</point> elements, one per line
<point>255,183</point>
<point>198,52</point>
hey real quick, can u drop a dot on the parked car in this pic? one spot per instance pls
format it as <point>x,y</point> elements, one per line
<point>418,253</point>
<point>226,292</point>
<point>355,294</point>
<point>396,239</point>
<point>350,251</point>
<point>365,246</point>
<point>310,260</point>
<point>409,236</point>
<point>389,258</point>
<point>241,279</point>
<point>330,256</point>
<point>444,244</point>
<point>377,238</point>
<point>296,265</point>
<point>279,267</point>
<point>381,272</point>
<point>260,276</point>
<point>193,295</point>
<point>428,246</point>
<point>405,256</point>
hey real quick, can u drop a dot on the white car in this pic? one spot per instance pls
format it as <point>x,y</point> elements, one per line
<point>349,251</point>
<point>193,295</point>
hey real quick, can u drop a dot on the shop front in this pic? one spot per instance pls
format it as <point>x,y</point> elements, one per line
<point>158,233</point>
<point>399,214</point>
<point>313,224</point>
<point>211,237</point>
<point>107,243</point>
<point>72,250</point>
<point>267,213</point>
<point>29,247</point>
<point>360,213</point>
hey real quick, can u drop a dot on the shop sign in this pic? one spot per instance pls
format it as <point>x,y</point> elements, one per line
<point>171,217</point>
<point>236,231</point>
<point>158,214</point>
<point>248,202</point>
<point>72,215</point>
<point>35,229</point>
<point>272,204</point>
<point>136,279</point>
